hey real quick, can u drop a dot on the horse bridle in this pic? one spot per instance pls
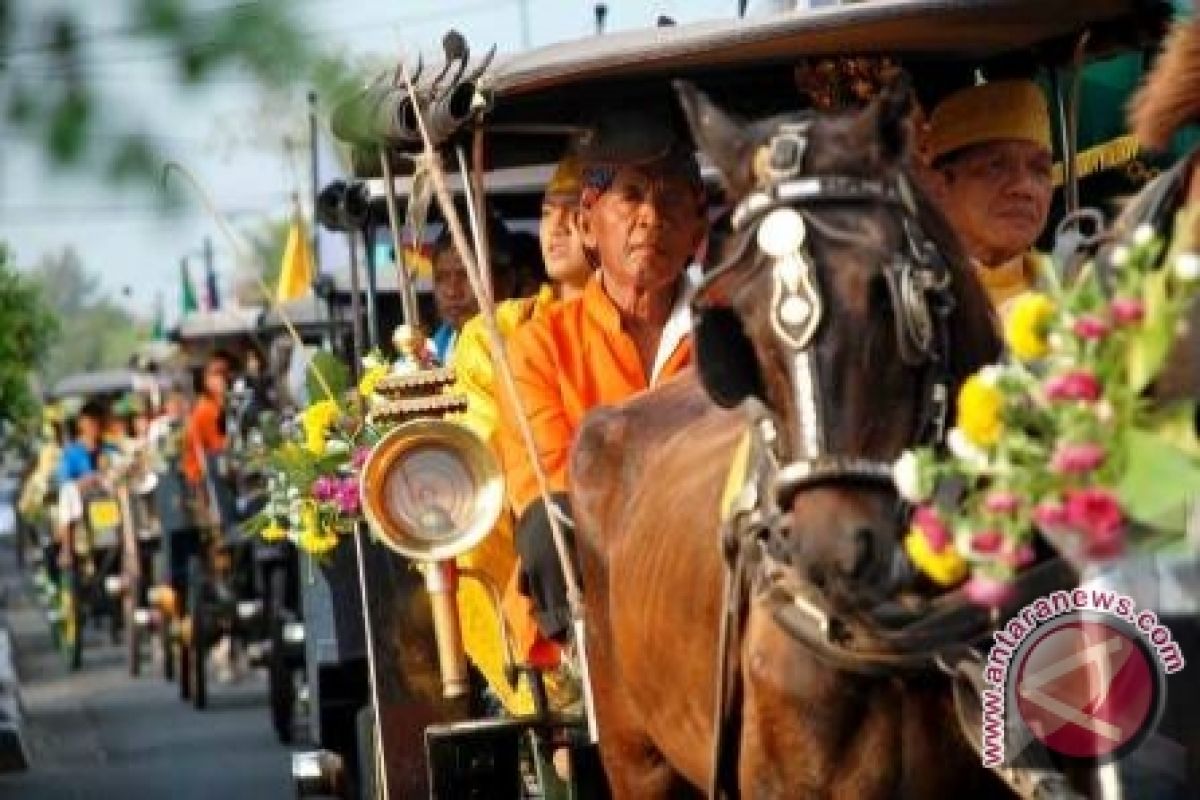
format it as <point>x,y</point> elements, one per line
<point>919,284</point>
<point>918,280</point>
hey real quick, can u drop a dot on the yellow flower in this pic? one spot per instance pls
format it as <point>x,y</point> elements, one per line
<point>1027,324</point>
<point>274,532</point>
<point>316,420</point>
<point>314,538</point>
<point>979,407</point>
<point>945,568</point>
<point>371,379</point>
<point>318,543</point>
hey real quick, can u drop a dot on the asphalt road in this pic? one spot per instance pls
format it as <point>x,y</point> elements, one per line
<point>101,734</point>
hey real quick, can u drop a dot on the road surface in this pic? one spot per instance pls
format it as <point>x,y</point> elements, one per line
<point>99,734</point>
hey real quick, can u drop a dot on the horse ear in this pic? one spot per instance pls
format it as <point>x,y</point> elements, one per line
<point>891,115</point>
<point>720,137</point>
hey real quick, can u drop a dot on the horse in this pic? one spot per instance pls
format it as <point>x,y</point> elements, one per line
<point>846,354</point>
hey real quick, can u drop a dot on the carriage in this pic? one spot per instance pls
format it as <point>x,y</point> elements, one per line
<point>520,113</point>
<point>109,535</point>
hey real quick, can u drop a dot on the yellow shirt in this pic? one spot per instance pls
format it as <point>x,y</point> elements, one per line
<point>495,556</point>
<point>475,374</point>
<point>1006,282</point>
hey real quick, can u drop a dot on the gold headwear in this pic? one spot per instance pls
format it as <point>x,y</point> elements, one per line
<point>566,184</point>
<point>1014,109</point>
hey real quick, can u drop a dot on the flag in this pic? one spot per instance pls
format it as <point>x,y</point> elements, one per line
<point>213,298</point>
<point>159,332</point>
<point>189,304</point>
<point>296,272</point>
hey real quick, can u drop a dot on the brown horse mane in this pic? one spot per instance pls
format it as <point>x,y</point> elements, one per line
<point>1168,99</point>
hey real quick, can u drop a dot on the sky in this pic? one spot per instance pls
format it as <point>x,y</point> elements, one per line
<point>230,134</point>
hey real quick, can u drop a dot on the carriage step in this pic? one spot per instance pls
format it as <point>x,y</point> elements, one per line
<point>249,609</point>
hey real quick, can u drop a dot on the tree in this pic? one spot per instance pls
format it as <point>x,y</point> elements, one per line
<point>96,333</point>
<point>29,327</point>
<point>50,98</point>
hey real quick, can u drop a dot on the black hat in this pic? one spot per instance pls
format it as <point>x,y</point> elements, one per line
<point>621,136</point>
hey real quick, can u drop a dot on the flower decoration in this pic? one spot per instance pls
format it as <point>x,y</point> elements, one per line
<point>1059,441</point>
<point>313,492</point>
<point>1028,324</point>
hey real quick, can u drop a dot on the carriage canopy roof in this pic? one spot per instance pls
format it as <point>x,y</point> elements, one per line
<point>747,64</point>
<point>951,29</point>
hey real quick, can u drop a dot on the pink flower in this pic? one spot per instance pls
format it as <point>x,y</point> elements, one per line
<point>932,527</point>
<point>1050,514</point>
<point>1106,546</point>
<point>1020,556</point>
<point>986,591</point>
<point>360,457</point>
<point>347,496</point>
<point>1097,515</point>
<point>1078,384</point>
<point>1091,327</point>
<point>324,489</point>
<point>1077,459</point>
<point>1128,310</point>
<point>987,542</point>
<point>1000,502</point>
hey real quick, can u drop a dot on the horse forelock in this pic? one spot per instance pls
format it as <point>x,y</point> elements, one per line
<point>1168,99</point>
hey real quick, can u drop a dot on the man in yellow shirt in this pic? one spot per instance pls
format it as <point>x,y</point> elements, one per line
<point>991,171</point>
<point>568,267</point>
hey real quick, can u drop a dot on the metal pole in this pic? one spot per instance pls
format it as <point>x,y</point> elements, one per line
<point>315,168</point>
<point>372,299</point>
<point>355,307</point>
<point>601,11</point>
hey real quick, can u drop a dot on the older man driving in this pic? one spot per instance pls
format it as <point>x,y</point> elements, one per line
<point>642,216</point>
<point>989,148</point>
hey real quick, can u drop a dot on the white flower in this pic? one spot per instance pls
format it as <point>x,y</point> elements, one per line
<point>906,474</point>
<point>991,375</point>
<point>1144,235</point>
<point>964,450</point>
<point>1187,266</point>
<point>1119,256</point>
<point>371,361</point>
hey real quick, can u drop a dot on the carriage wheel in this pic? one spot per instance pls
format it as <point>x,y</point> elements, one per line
<point>70,630</point>
<point>183,652</point>
<point>165,622</point>
<point>133,634</point>
<point>281,685</point>
<point>198,651</point>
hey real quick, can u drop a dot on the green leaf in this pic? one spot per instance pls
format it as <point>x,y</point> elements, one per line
<point>1159,478</point>
<point>1177,424</point>
<point>335,373</point>
<point>1149,347</point>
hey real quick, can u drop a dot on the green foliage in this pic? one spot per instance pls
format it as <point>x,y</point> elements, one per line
<point>29,329</point>
<point>335,374</point>
<point>1158,481</point>
<point>52,100</point>
<point>96,333</point>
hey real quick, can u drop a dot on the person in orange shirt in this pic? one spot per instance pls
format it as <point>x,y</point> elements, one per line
<point>205,431</point>
<point>642,215</point>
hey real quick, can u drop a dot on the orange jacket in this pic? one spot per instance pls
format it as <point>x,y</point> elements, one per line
<point>574,357</point>
<point>568,361</point>
<point>203,428</point>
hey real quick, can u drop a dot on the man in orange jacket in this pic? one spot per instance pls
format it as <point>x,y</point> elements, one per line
<point>642,214</point>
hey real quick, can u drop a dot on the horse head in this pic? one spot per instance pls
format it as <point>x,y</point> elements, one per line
<point>838,302</point>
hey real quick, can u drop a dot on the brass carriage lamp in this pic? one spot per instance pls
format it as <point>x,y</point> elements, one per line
<point>432,491</point>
